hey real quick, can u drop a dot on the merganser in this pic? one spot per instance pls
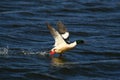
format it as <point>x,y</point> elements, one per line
<point>62,44</point>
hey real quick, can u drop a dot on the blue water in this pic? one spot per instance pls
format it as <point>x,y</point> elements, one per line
<point>25,39</point>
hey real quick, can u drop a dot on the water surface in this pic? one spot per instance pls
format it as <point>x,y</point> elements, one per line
<point>25,40</point>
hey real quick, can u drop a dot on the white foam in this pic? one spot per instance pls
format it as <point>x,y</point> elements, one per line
<point>42,53</point>
<point>4,51</point>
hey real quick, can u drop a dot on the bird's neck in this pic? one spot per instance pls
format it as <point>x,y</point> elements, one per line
<point>73,44</point>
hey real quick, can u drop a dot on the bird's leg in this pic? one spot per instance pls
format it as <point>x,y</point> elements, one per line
<point>60,55</point>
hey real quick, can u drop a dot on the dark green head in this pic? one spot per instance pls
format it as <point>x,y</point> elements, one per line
<point>80,41</point>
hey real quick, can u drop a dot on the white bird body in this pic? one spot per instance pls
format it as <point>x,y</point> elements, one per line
<point>63,47</point>
<point>61,40</point>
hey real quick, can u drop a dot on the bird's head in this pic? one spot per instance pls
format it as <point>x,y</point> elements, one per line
<point>80,41</point>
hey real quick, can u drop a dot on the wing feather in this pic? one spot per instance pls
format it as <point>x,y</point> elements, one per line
<point>62,30</point>
<point>57,37</point>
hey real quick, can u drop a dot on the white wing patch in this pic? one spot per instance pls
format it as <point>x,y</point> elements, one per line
<point>65,35</point>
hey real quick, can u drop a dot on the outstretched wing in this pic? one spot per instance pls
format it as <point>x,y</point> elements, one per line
<point>57,37</point>
<point>63,31</point>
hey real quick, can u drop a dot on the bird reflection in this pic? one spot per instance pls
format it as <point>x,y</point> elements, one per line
<point>58,61</point>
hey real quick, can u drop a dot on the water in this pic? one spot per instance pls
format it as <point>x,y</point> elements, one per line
<point>25,40</point>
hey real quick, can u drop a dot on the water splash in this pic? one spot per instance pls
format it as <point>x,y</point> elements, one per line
<point>41,53</point>
<point>4,51</point>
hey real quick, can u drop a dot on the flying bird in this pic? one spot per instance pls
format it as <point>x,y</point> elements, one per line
<point>61,37</point>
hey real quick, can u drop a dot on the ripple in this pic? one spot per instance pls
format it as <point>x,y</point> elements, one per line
<point>114,36</point>
<point>100,9</point>
<point>41,76</point>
